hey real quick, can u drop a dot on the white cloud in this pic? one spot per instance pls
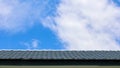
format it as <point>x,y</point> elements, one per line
<point>17,15</point>
<point>12,15</point>
<point>88,24</point>
<point>33,44</point>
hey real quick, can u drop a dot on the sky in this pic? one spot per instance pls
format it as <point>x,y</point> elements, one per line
<point>60,24</point>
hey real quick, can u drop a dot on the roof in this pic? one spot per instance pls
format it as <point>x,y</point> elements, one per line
<point>61,55</point>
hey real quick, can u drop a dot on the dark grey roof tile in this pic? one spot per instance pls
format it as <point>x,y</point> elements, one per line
<point>69,55</point>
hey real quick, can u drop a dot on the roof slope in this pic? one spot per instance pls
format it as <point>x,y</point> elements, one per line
<point>61,55</point>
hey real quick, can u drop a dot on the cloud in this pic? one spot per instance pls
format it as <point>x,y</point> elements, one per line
<point>35,43</point>
<point>88,24</point>
<point>13,15</point>
<point>32,44</point>
<point>19,15</point>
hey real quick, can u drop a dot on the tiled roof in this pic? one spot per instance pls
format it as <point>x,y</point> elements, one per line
<point>61,55</point>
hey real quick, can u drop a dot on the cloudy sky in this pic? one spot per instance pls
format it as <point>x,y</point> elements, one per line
<point>60,24</point>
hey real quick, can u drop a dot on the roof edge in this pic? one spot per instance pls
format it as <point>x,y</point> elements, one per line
<point>50,50</point>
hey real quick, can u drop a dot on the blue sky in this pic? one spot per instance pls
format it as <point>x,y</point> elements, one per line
<point>46,39</point>
<point>60,24</point>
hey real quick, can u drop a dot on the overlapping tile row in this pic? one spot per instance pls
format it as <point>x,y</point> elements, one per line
<point>61,55</point>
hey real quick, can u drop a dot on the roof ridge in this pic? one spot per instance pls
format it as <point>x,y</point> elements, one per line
<point>53,50</point>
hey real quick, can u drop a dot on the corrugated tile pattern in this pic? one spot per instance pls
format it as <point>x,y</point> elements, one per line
<point>56,55</point>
